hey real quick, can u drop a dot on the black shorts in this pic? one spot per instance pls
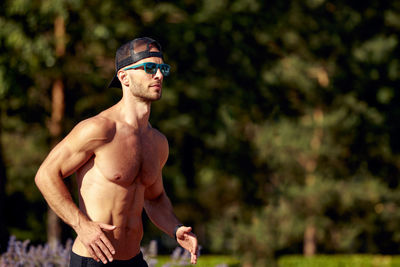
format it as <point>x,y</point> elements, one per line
<point>79,261</point>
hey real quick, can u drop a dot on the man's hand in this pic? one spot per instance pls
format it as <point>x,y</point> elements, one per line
<point>188,241</point>
<point>92,236</point>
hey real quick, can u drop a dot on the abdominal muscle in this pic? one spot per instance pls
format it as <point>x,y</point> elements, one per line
<point>114,202</point>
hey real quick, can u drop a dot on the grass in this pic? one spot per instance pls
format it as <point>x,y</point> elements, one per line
<point>203,261</point>
<point>353,260</point>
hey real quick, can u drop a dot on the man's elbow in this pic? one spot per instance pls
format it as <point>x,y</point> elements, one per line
<point>42,178</point>
<point>155,201</point>
<point>39,177</point>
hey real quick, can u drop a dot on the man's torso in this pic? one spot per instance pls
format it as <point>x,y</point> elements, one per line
<point>113,182</point>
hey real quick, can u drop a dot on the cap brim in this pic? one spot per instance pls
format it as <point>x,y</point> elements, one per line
<point>115,82</point>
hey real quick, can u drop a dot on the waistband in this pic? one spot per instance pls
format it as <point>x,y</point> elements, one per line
<point>80,261</point>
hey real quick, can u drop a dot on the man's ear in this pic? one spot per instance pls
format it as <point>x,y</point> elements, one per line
<point>123,77</point>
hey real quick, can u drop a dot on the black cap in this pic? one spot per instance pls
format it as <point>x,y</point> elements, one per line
<point>132,52</point>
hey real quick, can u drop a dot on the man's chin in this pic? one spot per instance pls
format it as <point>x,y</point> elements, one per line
<point>152,98</point>
<point>157,97</point>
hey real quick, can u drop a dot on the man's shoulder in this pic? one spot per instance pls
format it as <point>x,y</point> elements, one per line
<point>159,136</point>
<point>162,144</point>
<point>96,128</point>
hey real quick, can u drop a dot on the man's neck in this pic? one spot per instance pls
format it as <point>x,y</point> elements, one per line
<point>135,112</point>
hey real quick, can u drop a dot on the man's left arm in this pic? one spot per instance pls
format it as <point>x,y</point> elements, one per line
<point>160,211</point>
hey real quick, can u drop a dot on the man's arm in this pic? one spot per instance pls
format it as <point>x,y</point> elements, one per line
<point>160,211</point>
<point>65,158</point>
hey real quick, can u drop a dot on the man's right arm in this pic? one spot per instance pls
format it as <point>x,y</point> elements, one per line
<point>65,158</point>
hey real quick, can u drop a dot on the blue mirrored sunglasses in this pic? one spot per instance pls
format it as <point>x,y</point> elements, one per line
<point>151,68</point>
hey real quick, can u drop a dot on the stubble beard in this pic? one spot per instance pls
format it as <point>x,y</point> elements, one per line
<point>143,93</point>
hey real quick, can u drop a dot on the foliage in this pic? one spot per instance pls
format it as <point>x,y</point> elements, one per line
<point>22,254</point>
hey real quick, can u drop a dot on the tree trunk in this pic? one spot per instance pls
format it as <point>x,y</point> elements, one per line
<point>310,164</point>
<point>3,180</point>
<point>57,115</point>
<point>309,245</point>
<point>56,124</point>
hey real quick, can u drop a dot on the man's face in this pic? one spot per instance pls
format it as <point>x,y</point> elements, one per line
<point>147,87</point>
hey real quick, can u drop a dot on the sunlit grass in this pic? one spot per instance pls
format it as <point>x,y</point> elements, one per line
<point>203,261</point>
<point>351,260</point>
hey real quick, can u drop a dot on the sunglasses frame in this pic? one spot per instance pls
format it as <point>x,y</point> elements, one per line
<point>158,66</point>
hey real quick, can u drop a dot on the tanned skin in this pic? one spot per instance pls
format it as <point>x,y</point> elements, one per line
<point>118,160</point>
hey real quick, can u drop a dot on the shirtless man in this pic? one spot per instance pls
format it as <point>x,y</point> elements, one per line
<point>118,159</point>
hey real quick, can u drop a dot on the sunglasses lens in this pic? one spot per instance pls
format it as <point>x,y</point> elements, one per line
<point>165,69</point>
<point>150,68</point>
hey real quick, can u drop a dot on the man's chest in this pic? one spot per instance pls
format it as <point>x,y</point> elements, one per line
<point>129,159</point>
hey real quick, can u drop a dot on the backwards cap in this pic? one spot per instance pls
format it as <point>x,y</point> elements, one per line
<point>132,52</point>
